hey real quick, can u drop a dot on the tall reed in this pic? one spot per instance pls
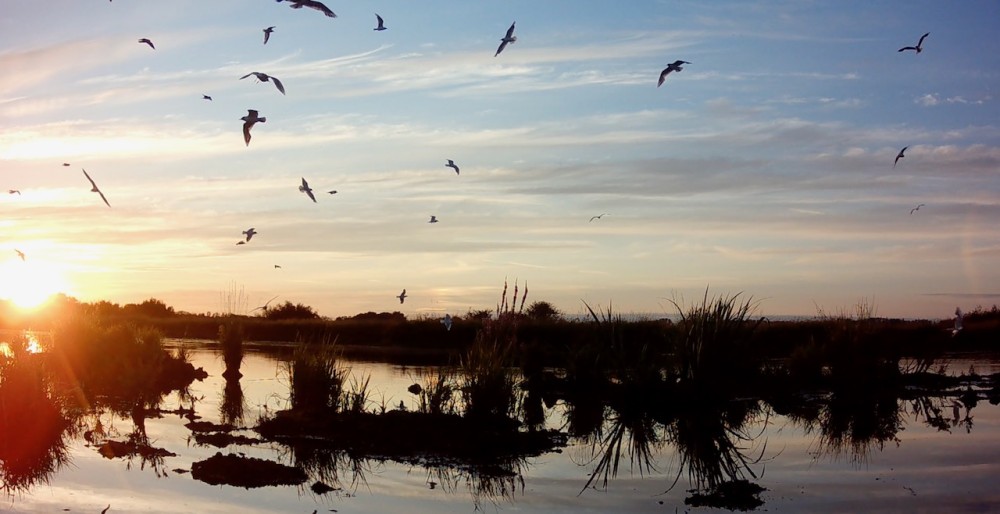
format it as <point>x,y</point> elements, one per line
<point>317,382</point>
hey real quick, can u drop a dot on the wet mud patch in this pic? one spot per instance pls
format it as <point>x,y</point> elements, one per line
<point>248,472</point>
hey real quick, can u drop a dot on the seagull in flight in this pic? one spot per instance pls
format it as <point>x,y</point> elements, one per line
<point>381,25</point>
<point>277,266</point>
<point>248,122</point>
<point>206,97</point>
<point>434,219</point>
<point>958,322</point>
<point>148,42</point>
<point>12,191</point>
<point>674,66</point>
<point>508,38</point>
<point>592,218</point>
<point>19,253</point>
<point>917,208</point>
<point>446,321</point>
<point>899,156</point>
<point>312,4</point>
<point>65,164</point>
<point>264,307</point>
<point>250,232</point>
<point>267,33</point>
<point>451,164</point>
<point>94,189</point>
<point>401,296</point>
<point>332,192</point>
<point>920,45</point>
<point>304,188</point>
<point>264,77</point>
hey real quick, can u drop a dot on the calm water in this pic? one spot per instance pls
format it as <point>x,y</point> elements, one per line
<point>924,470</point>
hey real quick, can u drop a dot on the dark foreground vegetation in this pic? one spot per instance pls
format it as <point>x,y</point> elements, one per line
<point>702,384</point>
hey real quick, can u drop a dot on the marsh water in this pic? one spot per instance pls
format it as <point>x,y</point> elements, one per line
<point>936,454</point>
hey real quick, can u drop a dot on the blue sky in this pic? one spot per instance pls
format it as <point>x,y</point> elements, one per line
<point>765,166</point>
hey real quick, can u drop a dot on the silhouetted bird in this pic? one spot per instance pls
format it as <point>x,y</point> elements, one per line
<point>304,188</point>
<point>264,77</point>
<point>433,219</point>
<point>507,38</point>
<point>277,266</point>
<point>451,164</point>
<point>915,209</point>
<point>401,296</point>
<point>206,97</point>
<point>333,192</point>
<point>312,4</point>
<point>248,122</point>
<point>19,253</point>
<point>899,156</point>
<point>94,189</point>
<point>65,164</point>
<point>592,218</point>
<point>920,45</point>
<point>13,191</point>
<point>250,232</point>
<point>267,34</point>
<point>674,66</point>
<point>148,42</point>
<point>381,25</point>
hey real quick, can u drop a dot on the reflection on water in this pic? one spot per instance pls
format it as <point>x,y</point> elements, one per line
<point>634,452</point>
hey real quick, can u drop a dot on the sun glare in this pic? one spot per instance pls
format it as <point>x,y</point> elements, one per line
<point>29,283</point>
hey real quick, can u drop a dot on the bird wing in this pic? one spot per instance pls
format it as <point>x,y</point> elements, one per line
<point>93,186</point>
<point>267,35</point>
<point>311,196</point>
<point>380,22</point>
<point>277,84</point>
<point>246,132</point>
<point>248,74</point>
<point>921,42</point>
<point>503,44</point>
<point>663,76</point>
<point>510,31</point>
<point>103,198</point>
<point>907,48</point>
<point>321,8</point>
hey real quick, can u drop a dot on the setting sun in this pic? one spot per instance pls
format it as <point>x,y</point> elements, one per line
<point>29,283</point>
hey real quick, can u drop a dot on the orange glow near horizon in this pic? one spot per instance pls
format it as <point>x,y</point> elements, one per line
<point>29,283</point>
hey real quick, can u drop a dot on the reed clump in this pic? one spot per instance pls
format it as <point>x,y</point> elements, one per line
<point>317,382</point>
<point>231,343</point>
<point>713,349</point>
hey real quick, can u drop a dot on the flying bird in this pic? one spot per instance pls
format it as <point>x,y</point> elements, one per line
<point>12,191</point>
<point>920,45</point>
<point>381,25</point>
<point>446,321</point>
<point>899,156</point>
<point>250,232</point>
<point>264,307</point>
<point>148,42</point>
<point>65,164</point>
<point>206,97</point>
<point>592,218</point>
<point>241,242</point>
<point>674,66</point>
<point>958,322</point>
<point>94,189</point>
<point>451,164</point>
<point>508,38</point>
<point>917,208</point>
<point>304,188</point>
<point>248,122</point>
<point>276,266</point>
<point>267,33</point>
<point>434,219</point>
<point>264,77</point>
<point>312,4</point>
<point>19,253</point>
<point>333,192</point>
<point>402,296</point>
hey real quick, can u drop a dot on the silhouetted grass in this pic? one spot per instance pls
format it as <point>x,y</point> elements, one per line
<point>316,382</point>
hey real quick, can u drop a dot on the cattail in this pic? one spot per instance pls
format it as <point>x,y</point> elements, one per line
<point>524,297</point>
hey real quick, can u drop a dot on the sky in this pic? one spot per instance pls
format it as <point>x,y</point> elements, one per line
<point>765,167</point>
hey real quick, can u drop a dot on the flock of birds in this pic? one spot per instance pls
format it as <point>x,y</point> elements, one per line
<point>253,117</point>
